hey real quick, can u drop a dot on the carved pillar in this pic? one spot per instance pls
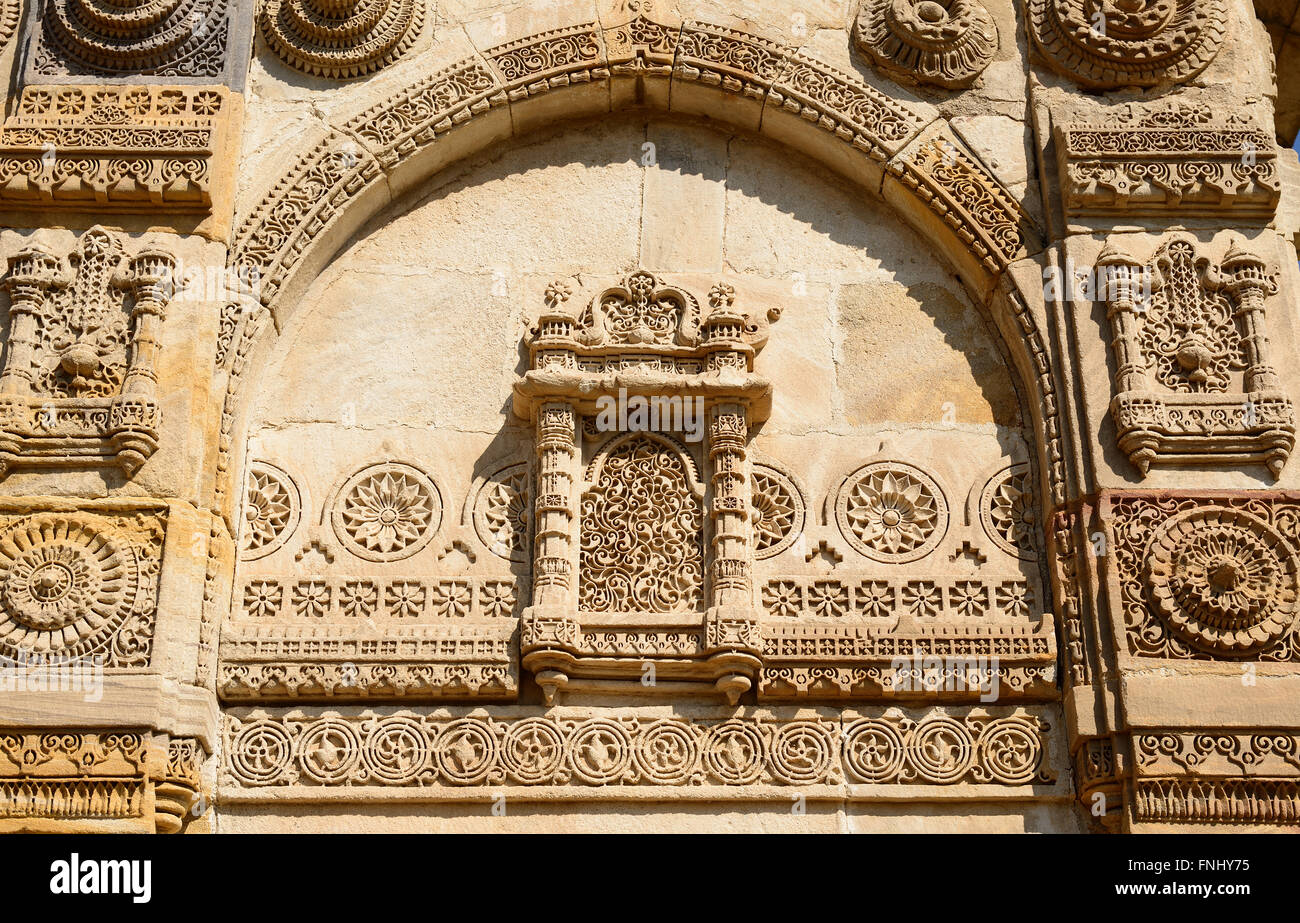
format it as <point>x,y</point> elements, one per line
<point>1247,279</point>
<point>1121,288</point>
<point>730,506</point>
<point>557,458</point>
<point>32,274</point>
<point>150,280</point>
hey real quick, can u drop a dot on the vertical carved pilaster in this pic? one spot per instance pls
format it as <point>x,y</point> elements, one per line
<point>150,281</point>
<point>729,474</point>
<point>1247,279</point>
<point>33,273</point>
<point>557,458</point>
<point>1121,287</point>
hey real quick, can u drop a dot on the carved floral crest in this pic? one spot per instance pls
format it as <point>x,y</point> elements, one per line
<point>944,42</point>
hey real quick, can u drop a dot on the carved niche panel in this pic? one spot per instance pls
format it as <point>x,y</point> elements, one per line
<point>630,566</point>
<point>898,596</point>
<point>1194,383</point>
<point>79,381</point>
<point>944,42</point>
<point>1207,578</point>
<point>376,593</point>
<point>1159,160</point>
<point>176,39</point>
<point>116,148</point>
<point>340,38</point>
<point>80,585</point>
<point>1108,44</point>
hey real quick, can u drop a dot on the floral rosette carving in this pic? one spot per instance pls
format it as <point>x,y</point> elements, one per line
<point>1107,44</point>
<point>1008,511</point>
<point>943,42</point>
<point>340,38</point>
<point>73,586</point>
<point>272,508</point>
<point>501,513</point>
<point>183,38</point>
<point>891,512</point>
<point>387,512</point>
<point>778,511</point>
<point>1223,580</point>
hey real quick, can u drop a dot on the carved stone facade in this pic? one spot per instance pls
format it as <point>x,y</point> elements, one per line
<point>646,415</point>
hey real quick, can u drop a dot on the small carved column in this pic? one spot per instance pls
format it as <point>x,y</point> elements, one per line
<point>150,281</point>
<point>729,471</point>
<point>1247,279</point>
<point>557,459</point>
<point>1119,286</point>
<point>32,274</point>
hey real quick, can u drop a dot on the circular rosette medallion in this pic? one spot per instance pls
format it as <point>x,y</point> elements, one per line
<point>466,751</point>
<point>891,512</point>
<point>1223,580</point>
<point>272,508</point>
<point>667,752</point>
<point>533,751</point>
<point>944,42</point>
<point>941,750</point>
<point>1008,511</point>
<point>873,750</point>
<point>778,511</point>
<point>733,752</point>
<point>802,753</point>
<point>328,751</point>
<point>1115,43</point>
<point>600,752</point>
<point>260,753</point>
<point>1010,751</point>
<point>387,512</point>
<point>396,750</point>
<point>66,585</point>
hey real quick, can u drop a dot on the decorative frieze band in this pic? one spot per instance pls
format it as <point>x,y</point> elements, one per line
<point>368,752</point>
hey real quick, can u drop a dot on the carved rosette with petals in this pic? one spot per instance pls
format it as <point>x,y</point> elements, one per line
<point>272,508</point>
<point>891,512</point>
<point>1224,580</point>
<point>387,512</point>
<point>340,38</point>
<point>1108,44</point>
<point>944,42</point>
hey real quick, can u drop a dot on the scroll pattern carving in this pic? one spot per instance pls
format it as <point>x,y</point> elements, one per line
<point>118,148</point>
<point>1179,157</point>
<point>1182,328</point>
<point>944,42</point>
<point>641,544</point>
<point>69,774</point>
<point>433,750</point>
<point>340,38</point>
<point>1107,44</point>
<point>77,585</point>
<point>1211,578</point>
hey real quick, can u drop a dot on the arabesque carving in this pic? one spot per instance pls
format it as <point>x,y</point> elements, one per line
<point>1194,380</point>
<point>79,385</point>
<point>1207,577</point>
<point>944,42</point>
